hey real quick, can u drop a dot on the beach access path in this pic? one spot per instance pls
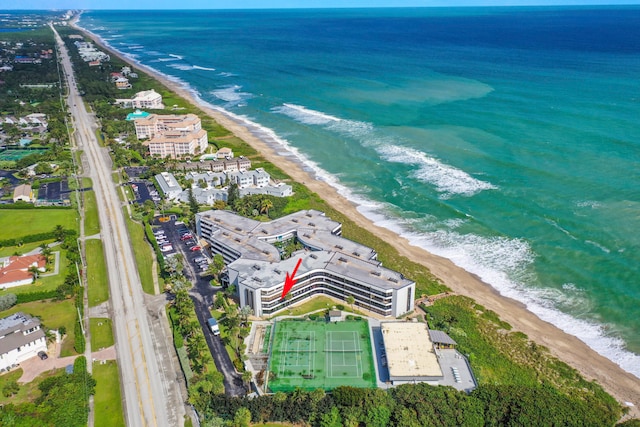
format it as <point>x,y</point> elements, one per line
<point>625,387</point>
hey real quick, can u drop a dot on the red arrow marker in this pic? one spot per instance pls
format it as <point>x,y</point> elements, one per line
<point>290,281</point>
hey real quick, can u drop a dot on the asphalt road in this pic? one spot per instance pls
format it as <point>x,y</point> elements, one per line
<point>144,384</point>
<point>202,294</point>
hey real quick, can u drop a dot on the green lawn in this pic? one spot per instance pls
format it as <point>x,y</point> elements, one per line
<point>53,314</point>
<point>28,392</point>
<point>23,249</point>
<point>107,402</point>
<point>22,222</point>
<point>142,252</point>
<point>91,219</point>
<point>98,282</point>
<point>316,303</point>
<point>101,333</point>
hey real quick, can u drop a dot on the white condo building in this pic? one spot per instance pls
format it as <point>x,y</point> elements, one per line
<point>147,99</point>
<point>330,264</point>
<point>172,135</point>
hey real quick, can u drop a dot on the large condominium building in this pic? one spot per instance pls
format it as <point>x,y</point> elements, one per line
<point>176,144</point>
<point>154,124</point>
<point>330,264</point>
<point>172,135</point>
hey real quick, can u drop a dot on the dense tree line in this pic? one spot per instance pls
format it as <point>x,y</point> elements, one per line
<point>63,401</point>
<point>414,405</point>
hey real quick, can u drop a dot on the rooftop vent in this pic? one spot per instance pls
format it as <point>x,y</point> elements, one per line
<point>376,273</point>
<point>306,235</point>
<point>237,240</point>
<point>264,231</point>
<point>309,215</point>
<point>312,224</point>
<point>255,267</point>
<point>356,254</point>
<point>294,220</point>
<point>314,256</point>
<point>339,246</point>
<point>224,233</point>
<point>277,271</point>
<point>343,259</point>
<point>238,229</point>
<point>393,279</point>
<point>217,219</point>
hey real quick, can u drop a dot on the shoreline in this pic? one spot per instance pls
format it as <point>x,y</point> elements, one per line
<point>623,386</point>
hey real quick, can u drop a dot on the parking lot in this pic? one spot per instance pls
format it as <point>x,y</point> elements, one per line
<point>144,191</point>
<point>174,237</point>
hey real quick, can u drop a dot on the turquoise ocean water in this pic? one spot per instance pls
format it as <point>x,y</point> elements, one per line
<point>505,139</point>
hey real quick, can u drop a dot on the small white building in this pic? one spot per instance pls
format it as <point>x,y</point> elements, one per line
<point>21,338</point>
<point>225,153</point>
<point>23,193</point>
<point>169,185</point>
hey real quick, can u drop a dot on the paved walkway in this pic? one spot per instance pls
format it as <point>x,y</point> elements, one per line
<point>33,367</point>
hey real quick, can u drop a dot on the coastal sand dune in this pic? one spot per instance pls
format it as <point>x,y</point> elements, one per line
<point>624,386</point>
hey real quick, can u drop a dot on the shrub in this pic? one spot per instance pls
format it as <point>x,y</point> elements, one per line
<point>79,343</point>
<point>10,389</point>
<point>340,307</point>
<point>36,296</point>
<point>7,301</point>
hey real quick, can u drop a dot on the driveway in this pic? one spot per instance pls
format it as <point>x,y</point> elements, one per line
<point>33,367</point>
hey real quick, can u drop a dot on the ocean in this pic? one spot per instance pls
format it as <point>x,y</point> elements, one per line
<point>505,139</point>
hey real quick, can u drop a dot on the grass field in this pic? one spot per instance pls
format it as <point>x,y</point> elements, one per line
<point>107,402</point>
<point>318,354</point>
<point>91,220</point>
<point>53,314</point>
<point>101,333</point>
<point>142,252</point>
<point>97,280</point>
<point>22,222</point>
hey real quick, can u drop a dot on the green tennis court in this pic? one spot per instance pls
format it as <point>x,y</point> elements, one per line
<point>318,354</point>
<point>13,155</point>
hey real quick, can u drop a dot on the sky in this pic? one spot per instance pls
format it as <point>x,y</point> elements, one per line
<point>262,4</point>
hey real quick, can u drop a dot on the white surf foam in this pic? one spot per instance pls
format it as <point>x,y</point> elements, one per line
<point>446,179</point>
<point>198,67</point>
<point>182,67</point>
<point>231,94</point>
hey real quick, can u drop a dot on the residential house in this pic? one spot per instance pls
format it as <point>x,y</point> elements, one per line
<point>21,338</point>
<point>225,153</point>
<point>14,270</point>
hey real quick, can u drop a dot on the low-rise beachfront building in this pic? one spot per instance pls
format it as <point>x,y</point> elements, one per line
<point>410,354</point>
<point>204,196</point>
<point>148,99</point>
<point>168,185</point>
<point>279,190</point>
<point>225,153</point>
<point>329,264</point>
<point>21,338</point>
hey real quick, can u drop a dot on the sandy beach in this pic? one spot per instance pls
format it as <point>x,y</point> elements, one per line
<point>624,386</point>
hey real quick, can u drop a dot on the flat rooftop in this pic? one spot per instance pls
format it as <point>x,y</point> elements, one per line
<point>410,352</point>
<point>263,275</point>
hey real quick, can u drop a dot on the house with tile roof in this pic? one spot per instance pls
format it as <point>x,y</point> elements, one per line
<point>14,270</point>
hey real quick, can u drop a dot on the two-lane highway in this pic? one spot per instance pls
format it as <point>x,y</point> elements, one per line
<point>145,386</point>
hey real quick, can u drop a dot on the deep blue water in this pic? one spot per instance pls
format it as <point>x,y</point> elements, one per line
<point>505,139</point>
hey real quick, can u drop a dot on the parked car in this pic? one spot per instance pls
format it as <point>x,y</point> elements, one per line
<point>186,236</point>
<point>42,355</point>
<point>195,248</point>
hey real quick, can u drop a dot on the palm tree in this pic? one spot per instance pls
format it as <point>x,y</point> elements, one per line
<point>246,378</point>
<point>59,233</point>
<point>265,205</point>
<point>350,300</point>
<point>34,271</point>
<point>45,251</point>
